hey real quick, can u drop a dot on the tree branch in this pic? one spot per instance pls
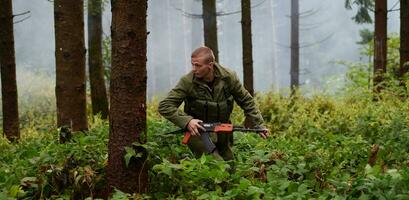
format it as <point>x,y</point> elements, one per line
<point>319,42</point>
<point>21,20</point>
<point>394,5</point>
<point>394,10</point>
<point>193,15</point>
<point>308,13</point>
<point>239,11</point>
<point>282,45</point>
<point>310,27</point>
<point>24,13</point>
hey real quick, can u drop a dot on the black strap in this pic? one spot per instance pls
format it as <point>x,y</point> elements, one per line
<point>206,111</point>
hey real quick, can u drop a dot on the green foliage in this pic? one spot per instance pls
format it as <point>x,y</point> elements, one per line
<point>360,74</point>
<point>42,167</point>
<point>366,36</point>
<point>131,153</point>
<point>36,101</point>
<point>319,149</point>
<point>363,8</point>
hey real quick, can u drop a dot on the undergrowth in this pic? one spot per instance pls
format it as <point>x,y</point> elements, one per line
<point>321,148</point>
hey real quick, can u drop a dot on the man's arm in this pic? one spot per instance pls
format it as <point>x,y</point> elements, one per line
<point>169,107</point>
<point>246,102</point>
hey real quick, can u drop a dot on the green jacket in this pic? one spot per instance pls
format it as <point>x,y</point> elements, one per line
<point>209,105</point>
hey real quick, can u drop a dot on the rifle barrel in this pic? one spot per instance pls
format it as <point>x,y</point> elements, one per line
<point>242,129</point>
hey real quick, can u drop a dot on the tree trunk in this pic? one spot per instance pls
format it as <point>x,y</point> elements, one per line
<point>404,37</point>
<point>197,25</point>
<point>8,72</point>
<point>210,26</point>
<point>128,95</point>
<point>295,46</point>
<point>247,46</point>
<point>380,46</point>
<point>70,64</point>
<point>96,70</point>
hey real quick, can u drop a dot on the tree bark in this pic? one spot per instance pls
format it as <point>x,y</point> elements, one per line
<point>247,46</point>
<point>8,72</point>
<point>96,70</point>
<point>295,46</point>
<point>210,26</point>
<point>380,45</point>
<point>404,37</point>
<point>128,95</point>
<point>197,25</point>
<point>70,64</point>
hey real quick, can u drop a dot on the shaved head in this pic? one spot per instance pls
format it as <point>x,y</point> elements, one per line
<point>204,52</point>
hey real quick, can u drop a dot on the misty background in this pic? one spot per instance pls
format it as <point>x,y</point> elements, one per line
<point>326,30</point>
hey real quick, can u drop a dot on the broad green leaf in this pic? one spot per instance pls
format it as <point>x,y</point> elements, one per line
<point>203,159</point>
<point>129,153</point>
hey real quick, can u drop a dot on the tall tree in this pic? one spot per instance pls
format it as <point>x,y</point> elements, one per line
<point>70,64</point>
<point>8,72</point>
<point>295,45</point>
<point>197,24</point>
<point>99,98</point>
<point>247,45</point>
<point>404,37</point>
<point>128,96</point>
<point>210,26</point>
<point>380,45</point>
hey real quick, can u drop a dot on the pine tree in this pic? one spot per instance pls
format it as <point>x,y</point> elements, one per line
<point>127,117</point>
<point>8,72</point>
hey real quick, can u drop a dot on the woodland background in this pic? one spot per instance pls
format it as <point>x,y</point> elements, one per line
<point>81,81</point>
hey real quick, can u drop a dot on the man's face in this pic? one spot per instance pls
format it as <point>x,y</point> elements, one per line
<point>200,67</point>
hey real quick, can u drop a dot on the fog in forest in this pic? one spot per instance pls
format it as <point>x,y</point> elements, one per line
<point>327,33</point>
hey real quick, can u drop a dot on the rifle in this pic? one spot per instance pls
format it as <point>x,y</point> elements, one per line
<point>216,128</point>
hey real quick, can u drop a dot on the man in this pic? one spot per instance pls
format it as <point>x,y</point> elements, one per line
<point>209,92</point>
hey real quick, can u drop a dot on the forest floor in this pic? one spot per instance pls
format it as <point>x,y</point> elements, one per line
<point>321,147</point>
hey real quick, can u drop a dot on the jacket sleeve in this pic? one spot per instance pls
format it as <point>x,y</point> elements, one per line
<point>246,102</point>
<point>169,107</point>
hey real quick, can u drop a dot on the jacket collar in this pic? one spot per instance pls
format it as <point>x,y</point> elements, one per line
<point>219,73</point>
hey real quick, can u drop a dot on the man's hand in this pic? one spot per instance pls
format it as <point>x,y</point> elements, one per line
<point>265,134</point>
<point>194,127</point>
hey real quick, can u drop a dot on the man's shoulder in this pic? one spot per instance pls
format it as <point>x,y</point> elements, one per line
<point>187,78</point>
<point>225,72</point>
